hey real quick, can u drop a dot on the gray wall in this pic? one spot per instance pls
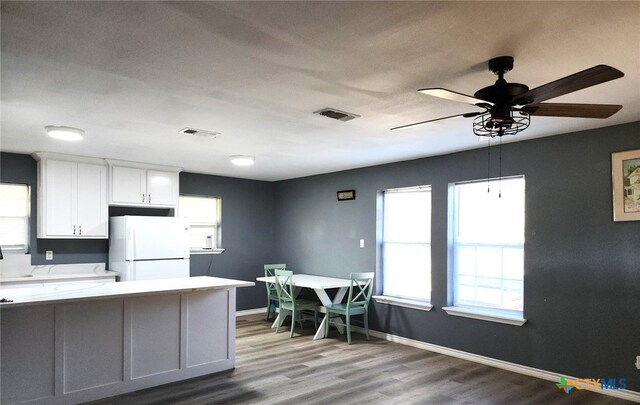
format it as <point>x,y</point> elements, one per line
<point>582,271</point>
<point>247,232</point>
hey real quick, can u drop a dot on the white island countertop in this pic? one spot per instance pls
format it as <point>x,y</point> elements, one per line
<point>66,293</point>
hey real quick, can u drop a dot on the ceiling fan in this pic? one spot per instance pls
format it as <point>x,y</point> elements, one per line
<point>507,106</point>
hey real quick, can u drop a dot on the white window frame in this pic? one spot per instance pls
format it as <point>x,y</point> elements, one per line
<point>22,247</point>
<point>216,225</point>
<point>399,300</point>
<point>467,309</point>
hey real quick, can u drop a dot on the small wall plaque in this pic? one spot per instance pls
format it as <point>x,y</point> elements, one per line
<point>346,195</point>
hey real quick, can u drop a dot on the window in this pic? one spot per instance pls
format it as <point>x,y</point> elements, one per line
<point>15,203</point>
<point>406,244</point>
<point>488,245</point>
<point>203,214</point>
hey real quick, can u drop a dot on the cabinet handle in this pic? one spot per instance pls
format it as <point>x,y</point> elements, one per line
<point>142,197</point>
<point>74,229</point>
<point>149,197</point>
<point>79,229</point>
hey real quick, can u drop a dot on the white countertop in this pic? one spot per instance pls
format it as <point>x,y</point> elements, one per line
<point>31,278</point>
<point>79,292</point>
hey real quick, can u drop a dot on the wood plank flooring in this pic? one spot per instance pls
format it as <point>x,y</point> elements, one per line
<point>273,369</point>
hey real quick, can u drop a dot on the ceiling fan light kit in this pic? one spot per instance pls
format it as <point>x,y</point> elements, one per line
<point>506,124</point>
<point>508,106</point>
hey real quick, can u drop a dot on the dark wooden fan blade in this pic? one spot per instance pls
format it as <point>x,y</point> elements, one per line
<point>577,81</point>
<point>465,115</point>
<point>453,96</point>
<point>572,110</point>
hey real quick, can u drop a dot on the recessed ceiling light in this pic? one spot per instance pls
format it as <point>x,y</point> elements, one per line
<point>242,160</point>
<point>64,133</point>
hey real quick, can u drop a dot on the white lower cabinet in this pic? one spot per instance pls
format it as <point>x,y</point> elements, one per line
<point>77,351</point>
<point>72,197</point>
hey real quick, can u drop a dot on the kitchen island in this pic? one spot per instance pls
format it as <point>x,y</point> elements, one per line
<point>75,343</point>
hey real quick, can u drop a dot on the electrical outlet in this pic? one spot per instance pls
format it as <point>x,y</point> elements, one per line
<point>638,362</point>
<point>361,243</point>
<point>49,255</point>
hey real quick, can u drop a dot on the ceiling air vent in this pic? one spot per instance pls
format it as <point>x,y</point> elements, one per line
<point>199,132</point>
<point>336,114</point>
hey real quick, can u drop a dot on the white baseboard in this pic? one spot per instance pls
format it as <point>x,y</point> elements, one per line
<point>250,312</point>
<point>505,365</point>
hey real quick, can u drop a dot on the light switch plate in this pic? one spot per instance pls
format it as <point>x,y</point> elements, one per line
<point>361,243</point>
<point>49,255</point>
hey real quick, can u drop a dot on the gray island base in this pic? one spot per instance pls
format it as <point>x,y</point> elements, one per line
<point>70,344</point>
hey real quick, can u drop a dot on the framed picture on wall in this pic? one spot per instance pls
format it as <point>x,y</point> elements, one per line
<point>625,168</point>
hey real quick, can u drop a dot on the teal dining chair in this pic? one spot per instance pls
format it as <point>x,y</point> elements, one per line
<point>272,295</point>
<point>357,303</point>
<point>288,302</point>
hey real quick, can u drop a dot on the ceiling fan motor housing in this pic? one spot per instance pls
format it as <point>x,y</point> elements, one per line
<point>502,93</point>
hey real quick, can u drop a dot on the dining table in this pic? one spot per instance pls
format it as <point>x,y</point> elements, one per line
<point>319,284</point>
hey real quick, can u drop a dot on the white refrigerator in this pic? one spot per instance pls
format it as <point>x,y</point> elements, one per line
<point>148,248</point>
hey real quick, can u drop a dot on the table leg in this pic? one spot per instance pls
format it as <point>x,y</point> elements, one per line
<point>282,314</point>
<point>324,298</point>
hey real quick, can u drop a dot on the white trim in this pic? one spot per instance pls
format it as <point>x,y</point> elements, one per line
<point>251,312</point>
<point>206,251</point>
<point>403,302</point>
<point>505,365</point>
<point>39,156</point>
<point>485,315</point>
<point>140,165</point>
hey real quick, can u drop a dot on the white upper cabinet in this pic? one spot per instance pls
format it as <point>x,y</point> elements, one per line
<point>128,185</point>
<point>136,184</point>
<point>72,197</point>
<point>92,201</point>
<point>162,187</point>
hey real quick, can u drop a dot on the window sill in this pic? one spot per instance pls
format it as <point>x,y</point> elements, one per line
<point>487,315</point>
<point>206,251</point>
<point>403,302</point>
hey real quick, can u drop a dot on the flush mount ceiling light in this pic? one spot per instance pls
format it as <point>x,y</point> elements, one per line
<point>64,133</point>
<point>242,160</point>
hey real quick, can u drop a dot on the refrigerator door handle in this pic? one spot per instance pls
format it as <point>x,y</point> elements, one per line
<point>130,247</point>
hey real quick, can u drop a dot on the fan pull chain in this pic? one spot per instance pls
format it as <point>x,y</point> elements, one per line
<point>489,166</point>
<point>500,168</point>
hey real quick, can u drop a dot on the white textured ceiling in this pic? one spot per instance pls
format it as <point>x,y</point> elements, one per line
<point>132,74</point>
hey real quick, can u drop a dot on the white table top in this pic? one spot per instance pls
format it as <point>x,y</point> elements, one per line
<point>311,281</point>
<point>78,292</point>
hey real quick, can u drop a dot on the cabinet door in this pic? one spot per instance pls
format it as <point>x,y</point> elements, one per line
<point>60,192</point>
<point>93,216</point>
<point>128,185</point>
<point>162,188</point>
